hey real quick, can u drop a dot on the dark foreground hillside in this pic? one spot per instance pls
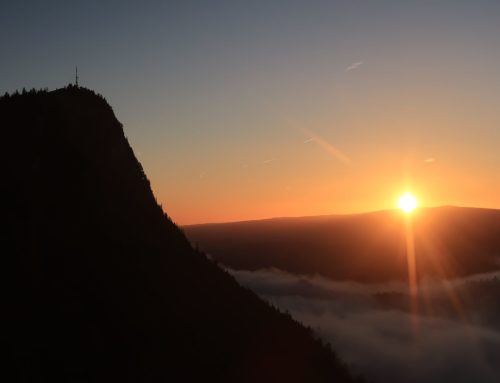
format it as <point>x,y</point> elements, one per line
<point>98,285</point>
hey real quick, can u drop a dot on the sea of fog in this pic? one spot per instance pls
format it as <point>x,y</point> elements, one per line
<point>388,343</point>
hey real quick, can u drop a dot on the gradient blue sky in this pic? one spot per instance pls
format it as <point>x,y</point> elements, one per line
<point>249,109</point>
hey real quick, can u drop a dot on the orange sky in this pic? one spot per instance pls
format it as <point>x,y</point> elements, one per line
<point>331,114</point>
<point>244,110</point>
<point>295,173</point>
<point>357,156</point>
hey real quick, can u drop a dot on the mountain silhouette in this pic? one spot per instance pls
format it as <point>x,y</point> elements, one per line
<point>99,285</point>
<point>449,242</point>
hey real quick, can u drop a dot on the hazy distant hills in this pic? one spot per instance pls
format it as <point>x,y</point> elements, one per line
<point>98,284</point>
<point>449,242</point>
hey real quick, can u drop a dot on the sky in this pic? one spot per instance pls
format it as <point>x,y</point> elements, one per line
<point>251,109</point>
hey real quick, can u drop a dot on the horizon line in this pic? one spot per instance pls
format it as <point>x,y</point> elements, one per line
<point>332,215</point>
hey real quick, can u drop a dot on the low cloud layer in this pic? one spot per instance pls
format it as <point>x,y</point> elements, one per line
<point>386,344</point>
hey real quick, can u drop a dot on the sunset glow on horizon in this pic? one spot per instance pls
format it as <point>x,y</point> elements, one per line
<point>270,109</point>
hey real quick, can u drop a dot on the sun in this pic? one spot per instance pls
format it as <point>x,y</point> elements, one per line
<point>407,202</point>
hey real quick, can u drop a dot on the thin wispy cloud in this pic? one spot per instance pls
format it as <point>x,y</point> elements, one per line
<point>430,160</point>
<point>355,65</point>
<point>327,146</point>
<point>323,143</point>
<point>268,161</point>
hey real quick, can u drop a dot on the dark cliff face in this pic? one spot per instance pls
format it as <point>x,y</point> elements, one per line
<point>100,285</point>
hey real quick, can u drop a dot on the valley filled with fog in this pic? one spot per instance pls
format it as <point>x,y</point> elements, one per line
<point>454,337</point>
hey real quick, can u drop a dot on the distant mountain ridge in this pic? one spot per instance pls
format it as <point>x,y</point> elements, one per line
<point>99,285</point>
<point>449,242</point>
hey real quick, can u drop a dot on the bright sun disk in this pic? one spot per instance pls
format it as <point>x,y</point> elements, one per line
<point>407,202</point>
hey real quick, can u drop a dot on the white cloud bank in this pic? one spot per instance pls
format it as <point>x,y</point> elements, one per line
<point>382,343</point>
